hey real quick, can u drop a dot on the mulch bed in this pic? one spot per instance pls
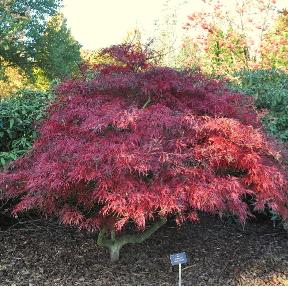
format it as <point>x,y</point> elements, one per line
<point>40,252</point>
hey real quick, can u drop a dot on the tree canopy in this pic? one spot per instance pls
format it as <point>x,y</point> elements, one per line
<point>59,53</point>
<point>137,143</point>
<point>28,38</point>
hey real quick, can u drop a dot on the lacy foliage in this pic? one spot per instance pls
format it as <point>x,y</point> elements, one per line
<point>138,141</point>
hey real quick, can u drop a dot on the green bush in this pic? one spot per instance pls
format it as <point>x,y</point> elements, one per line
<point>270,91</point>
<point>18,115</point>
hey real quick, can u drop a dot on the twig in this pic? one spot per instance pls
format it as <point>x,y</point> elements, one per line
<point>147,103</point>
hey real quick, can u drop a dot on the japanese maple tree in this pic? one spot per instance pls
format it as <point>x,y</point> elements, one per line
<point>138,143</point>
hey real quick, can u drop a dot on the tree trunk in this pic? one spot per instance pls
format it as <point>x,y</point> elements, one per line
<point>114,252</point>
<point>115,244</point>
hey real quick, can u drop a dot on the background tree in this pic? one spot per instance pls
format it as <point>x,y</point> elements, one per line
<point>22,23</point>
<point>59,53</point>
<point>188,56</point>
<point>225,51</point>
<point>30,40</point>
<point>274,48</point>
<point>232,31</point>
<point>12,80</point>
<point>134,37</point>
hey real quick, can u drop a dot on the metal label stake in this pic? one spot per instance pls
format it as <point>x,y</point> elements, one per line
<point>179,259</point>
<point>180,274</point>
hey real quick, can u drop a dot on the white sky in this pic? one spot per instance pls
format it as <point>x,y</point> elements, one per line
<point>101,23</point>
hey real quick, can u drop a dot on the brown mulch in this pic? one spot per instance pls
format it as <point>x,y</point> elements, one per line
<point>41,252</point>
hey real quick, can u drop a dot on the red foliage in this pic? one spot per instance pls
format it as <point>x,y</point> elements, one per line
<point>136,144</point>
<point>122,59</point>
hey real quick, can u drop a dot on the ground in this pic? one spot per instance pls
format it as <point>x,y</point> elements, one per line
<point>40,252</point>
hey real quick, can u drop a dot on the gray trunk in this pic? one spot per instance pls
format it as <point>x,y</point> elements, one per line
<point>116,243</point>
<point>114,252</point>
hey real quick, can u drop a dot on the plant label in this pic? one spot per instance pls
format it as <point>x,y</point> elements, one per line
<point>178,258</point>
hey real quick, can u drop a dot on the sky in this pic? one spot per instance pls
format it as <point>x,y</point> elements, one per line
<point>101,23</point>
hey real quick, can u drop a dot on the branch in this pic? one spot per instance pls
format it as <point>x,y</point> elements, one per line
<point>147,103</point>
<point>141,237</point>
<point>127,238</point>
<point>102,238</point>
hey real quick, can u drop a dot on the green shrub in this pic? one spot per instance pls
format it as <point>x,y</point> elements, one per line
<point>270,91</point>
<point>18,115</point>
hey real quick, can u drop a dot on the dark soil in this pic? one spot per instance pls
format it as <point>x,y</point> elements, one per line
<point>220,253</point>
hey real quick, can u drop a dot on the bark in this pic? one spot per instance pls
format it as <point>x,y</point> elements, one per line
<point>114,244</point>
